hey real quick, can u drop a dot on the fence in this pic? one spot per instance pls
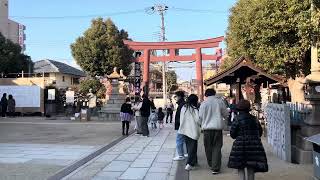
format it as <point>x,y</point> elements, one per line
<point>299,112</point>
<point>278,125</point>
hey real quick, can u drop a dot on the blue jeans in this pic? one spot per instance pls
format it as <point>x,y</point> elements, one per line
<point>180,141</point>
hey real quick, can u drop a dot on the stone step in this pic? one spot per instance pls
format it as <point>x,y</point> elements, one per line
<point>302,143</point>
<point>109,117</point>
<point>309,130</point>
<point>301,156</point>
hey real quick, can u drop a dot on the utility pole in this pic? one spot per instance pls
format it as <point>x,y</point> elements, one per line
<point>161,9</point>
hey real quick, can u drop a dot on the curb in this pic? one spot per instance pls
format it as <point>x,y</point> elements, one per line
<point>181,173</point>
<point>69,169</point>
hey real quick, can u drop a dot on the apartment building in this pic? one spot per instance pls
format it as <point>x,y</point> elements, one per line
<point>10,29</point>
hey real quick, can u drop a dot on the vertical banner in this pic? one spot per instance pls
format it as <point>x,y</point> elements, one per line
<point>137,78</point>
<point>69,97</point>
<point>21,28</point>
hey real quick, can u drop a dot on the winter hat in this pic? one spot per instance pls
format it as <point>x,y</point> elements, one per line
<point>243,105</point>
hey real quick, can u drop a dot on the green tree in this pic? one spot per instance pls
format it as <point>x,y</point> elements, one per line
<point>171,78</point>
<point>11,58</point>
<point>94,84</point>
<point>275,34</point>
<point>101,48</point>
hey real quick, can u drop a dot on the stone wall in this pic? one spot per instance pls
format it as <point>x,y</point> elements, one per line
<point>278,126</point>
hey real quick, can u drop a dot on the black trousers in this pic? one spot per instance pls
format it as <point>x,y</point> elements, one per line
<point>125,127</point>
<point>192,149</point>
<point>169,114</point>
<point>4,111</point>
<point>144,126</point>
<point>212,144</point>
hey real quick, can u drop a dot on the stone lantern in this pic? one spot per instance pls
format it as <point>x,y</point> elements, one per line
<point>111,110</point>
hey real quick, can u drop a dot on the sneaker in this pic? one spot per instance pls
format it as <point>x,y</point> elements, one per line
<point>215,172</point>
<point>189,167</point>
<point>185,155</point>
<point>178,158</point>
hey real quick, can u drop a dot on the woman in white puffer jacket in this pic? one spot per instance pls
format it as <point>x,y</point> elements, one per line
<point>190,128</point>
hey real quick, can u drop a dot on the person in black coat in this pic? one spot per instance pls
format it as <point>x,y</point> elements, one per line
<point>247,151</point>
<point>147,105</point>
<point>126,115</point>
<point>4,105</point>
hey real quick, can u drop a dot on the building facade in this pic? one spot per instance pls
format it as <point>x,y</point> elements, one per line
<point>58,74</point>
<point>10,29</point>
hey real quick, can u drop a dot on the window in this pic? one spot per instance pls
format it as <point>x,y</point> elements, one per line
<point>76,81</point>
<point>62,78</point>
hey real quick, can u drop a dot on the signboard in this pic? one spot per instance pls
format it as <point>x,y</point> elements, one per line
<point>137,78</point>
<point>25,96</point>
<point>51,94</point>
<point>21,35</point>
<point>70,97</point>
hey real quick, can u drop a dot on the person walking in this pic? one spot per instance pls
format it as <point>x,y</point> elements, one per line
<point>169,110</point>
<point>160,117</point>
<point>180,138</point>
<point>190,129</point>
<point>136,108</point>
<point>153,118</point>
<point>232,110</point>
<point>126,115</point>
<point>247,153</point>
<point>4,105</point>
<point>145,109</point>
<point>212,113</point>
<point>11,106</point>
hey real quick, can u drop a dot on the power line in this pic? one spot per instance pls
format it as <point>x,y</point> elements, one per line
<point>79,16</point>
<point>199,10</point>
<point>149,10</point>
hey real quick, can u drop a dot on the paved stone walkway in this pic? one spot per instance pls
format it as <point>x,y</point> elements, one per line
<point>278,169</point>
<point>135,158</point>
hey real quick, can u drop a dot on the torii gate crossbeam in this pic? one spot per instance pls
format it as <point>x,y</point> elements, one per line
<point>146,57</point>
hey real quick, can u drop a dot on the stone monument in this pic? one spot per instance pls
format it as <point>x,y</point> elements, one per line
<point>111,110</point>
<point>303,151</point>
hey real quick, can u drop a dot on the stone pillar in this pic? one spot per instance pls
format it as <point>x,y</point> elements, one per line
<point>146,63</point>
<point>199,75</point>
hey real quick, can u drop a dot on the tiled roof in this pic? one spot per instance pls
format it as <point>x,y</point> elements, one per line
<point>51,66</point>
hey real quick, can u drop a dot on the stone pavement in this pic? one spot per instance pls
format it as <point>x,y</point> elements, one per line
<point>136,158</point>
<point>278,169</point>
<point>19,159</point>
<point>34,148</point>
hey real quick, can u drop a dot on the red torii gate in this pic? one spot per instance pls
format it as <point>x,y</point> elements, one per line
<point>146,57</point>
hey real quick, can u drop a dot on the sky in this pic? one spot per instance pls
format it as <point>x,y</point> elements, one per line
<point>50,38</point>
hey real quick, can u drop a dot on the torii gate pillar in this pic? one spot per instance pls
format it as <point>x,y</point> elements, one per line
<point>146,70</point>
<point>199,73</point>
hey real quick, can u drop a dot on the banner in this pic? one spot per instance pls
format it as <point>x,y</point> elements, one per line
<point>137,78</point>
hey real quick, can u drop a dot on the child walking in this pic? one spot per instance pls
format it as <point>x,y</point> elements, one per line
<point>160,117</point>
<point>247,154</point>
<point>153,118</point>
